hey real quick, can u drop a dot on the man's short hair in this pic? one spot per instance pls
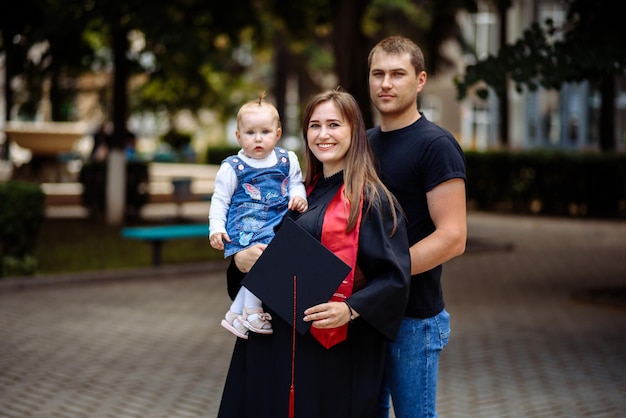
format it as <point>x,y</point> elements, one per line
<point>400,45</point>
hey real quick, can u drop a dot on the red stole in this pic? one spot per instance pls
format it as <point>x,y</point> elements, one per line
<point>344,245</point>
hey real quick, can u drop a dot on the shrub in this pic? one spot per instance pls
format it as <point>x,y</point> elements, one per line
<point>550,183</point>
<point>22,211</point>
<point>13,266</point>
<point>93,178</point>
<point>180,147</point>
<point>177,140</point>
<point>215,155</point>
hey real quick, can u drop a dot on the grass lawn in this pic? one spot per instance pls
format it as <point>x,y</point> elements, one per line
<point>79,245</point>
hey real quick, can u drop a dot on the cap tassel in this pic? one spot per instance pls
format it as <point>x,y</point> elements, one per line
<point>293,355</point>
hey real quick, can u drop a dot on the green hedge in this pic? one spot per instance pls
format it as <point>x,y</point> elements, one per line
<point>551,183</point>
<point>93,178</point>
<point>215,155</point>
<point>22,211</point>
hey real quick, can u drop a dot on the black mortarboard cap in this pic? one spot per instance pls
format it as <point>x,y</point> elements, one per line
<point>294,252</point>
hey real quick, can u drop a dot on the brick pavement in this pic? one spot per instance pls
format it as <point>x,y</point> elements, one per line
<point>148,344</point>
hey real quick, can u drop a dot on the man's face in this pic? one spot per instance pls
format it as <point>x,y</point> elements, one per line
<point>393,83</point>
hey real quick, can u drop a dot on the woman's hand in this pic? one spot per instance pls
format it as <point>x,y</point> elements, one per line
<point>329,315</point>
<point>245,259</point>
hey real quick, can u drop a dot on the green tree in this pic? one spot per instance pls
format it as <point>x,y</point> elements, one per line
<point>188,42</point>
<point>339,35</point>
<point>582,49</point>
<point>197,53</point>
<point>38,47</point>
<point>15,25</point>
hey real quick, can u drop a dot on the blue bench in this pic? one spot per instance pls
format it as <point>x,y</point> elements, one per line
<point>157,234</point>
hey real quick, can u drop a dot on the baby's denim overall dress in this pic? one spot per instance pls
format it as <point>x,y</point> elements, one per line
<point>258,203</point>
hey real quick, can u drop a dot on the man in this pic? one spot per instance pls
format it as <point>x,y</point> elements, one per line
<point>424,167</point>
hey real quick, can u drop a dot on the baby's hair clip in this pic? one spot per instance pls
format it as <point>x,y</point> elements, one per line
<point>261,97</point>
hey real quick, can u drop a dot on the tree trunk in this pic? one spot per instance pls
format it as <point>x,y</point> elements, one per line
<point>351,50</point>
<point>56,101</point>
<point>120,82</point>
<point>115,187</point>
<point>116,164</point>
<point>607,114</point>
<point>8,103</point>
<point>10,59</point>
<point>282,67</point>
<point>503,96</point>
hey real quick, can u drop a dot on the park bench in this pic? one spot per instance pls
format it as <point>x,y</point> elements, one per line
<point>156,235</point>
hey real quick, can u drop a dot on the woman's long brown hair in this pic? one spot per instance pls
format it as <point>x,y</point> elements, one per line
<point>360,177</point>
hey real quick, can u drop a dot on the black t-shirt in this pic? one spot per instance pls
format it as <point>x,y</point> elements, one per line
<point>411,162</point>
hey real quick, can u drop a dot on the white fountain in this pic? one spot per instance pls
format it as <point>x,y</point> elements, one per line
<point>47,142</point>
<point>46,139</point>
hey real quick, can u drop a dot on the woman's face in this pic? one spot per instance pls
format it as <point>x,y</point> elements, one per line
<point>328,137</point>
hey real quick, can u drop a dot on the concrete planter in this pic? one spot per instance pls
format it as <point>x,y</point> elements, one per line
<point>46,139</point>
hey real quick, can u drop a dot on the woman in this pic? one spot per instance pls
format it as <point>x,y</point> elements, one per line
<point>341,378</point>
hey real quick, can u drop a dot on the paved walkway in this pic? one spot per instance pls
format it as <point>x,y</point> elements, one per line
<point>526,340</point>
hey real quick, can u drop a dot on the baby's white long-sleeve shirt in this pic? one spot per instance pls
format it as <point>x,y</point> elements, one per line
<point>226,182</point>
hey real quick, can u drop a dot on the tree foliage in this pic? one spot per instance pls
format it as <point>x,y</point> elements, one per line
<point>336,36</point>
<point>195,53</point>
<point>582,49</point>
<point>548,56</point>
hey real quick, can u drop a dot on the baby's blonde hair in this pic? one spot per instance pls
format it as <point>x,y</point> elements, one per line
<point>260,102</point>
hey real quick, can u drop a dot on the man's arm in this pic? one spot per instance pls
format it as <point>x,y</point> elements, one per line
<point>447,208</point>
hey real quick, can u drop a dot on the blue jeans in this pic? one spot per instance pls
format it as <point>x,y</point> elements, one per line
<point>412,366</point>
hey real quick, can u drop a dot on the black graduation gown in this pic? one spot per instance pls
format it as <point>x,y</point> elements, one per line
<point>343,381</point>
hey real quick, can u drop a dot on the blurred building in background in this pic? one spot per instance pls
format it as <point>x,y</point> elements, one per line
<point>565,119</point>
